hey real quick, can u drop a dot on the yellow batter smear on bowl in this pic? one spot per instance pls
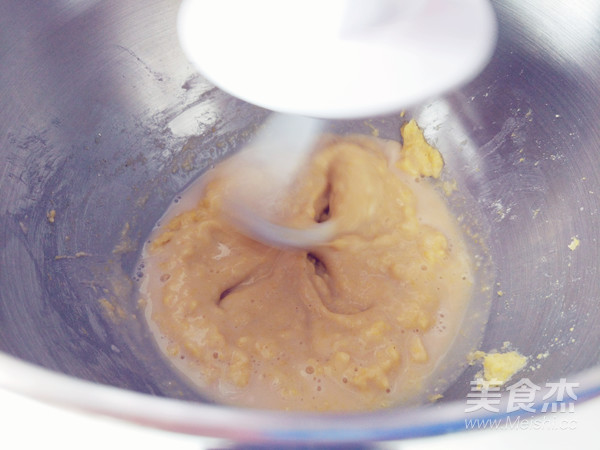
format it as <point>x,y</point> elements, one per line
<point>498,367</point>
<point>357,324</point>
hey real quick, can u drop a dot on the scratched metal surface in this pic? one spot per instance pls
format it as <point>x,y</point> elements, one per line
<point>104,122</point>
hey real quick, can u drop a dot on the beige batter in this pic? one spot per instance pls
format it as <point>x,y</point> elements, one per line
<point>357,324</point>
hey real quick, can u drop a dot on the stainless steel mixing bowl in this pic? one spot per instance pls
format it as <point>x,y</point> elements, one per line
<point>103,122</point>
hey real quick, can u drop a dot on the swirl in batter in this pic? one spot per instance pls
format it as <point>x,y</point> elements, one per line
<point>356,324</point>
